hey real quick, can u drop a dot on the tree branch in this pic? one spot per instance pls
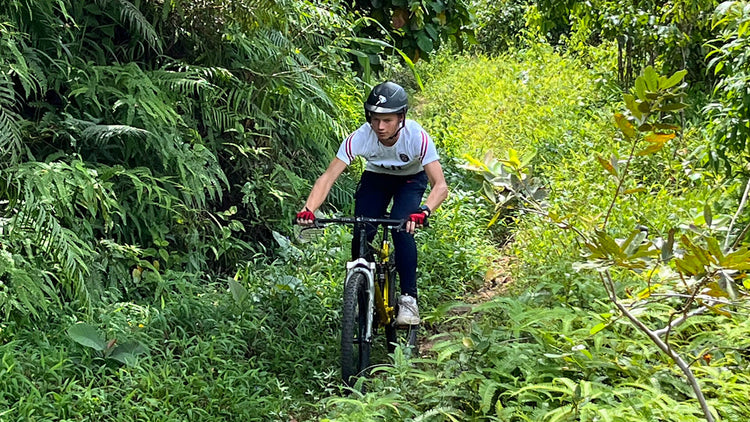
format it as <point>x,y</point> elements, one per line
<point>661,344</point>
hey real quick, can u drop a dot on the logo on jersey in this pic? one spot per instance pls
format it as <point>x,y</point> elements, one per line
<point>404,158</point>
<point>381,100</point>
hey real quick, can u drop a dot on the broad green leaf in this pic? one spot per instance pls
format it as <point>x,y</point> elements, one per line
<point>475,164</point>
<point>598,327</point>
<point>608,244</point>
<point>87,335</point>
<point>239,292</point>
<point>424,42</point>
<point>513,162</point>
<point>651,78</point>
<point>673,107</point>
<point>127,353</point>
<point>632,105</point>
<point>690,265</point>
<point>737,260</point>
<point>716,309</point>
<point>699,252</point>
<point>640,89</point>
<point>673,80</point>
<point>714,290</point>
<point>708,216</point>
<point>633,242</point>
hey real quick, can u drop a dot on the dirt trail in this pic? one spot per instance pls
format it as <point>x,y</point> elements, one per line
<point>496,282</point>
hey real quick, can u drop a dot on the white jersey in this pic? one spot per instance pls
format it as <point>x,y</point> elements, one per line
<point>413,150</point>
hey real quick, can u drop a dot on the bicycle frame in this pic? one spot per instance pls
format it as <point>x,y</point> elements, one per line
<point>377,299</point>
<point>370,269</point>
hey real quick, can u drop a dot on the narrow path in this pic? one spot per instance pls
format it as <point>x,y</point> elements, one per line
<point>496,283</point>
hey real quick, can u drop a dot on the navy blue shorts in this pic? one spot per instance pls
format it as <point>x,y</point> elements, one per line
<point>375,192</point>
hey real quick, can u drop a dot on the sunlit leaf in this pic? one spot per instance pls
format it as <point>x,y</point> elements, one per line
<point>640,88</point>
<point>651,78</point>
<point>598,327</point>
<point>659,138</point>
<point>650,149</point>
<point>238,291</point>
<point>607,166</point>
<point>632,105</point>
<point>625,126</point>
<point>673,80</point>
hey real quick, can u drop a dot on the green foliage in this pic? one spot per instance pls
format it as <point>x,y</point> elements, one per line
<point>146,152</point>
<point>501,25</point>
<point>130,141</point>
<point>526,100</point>
<point>523,359</point>
<point>88,336</point>
<point>730,108</point>
<point>417,27</point>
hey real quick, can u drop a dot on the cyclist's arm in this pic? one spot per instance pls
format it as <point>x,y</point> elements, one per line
<point>439,188</point>
<point>323,185</point>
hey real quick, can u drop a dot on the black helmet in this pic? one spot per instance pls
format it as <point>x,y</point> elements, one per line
<point>386,97</point>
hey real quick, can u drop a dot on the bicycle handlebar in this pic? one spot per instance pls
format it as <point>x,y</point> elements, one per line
<point>387,222</point>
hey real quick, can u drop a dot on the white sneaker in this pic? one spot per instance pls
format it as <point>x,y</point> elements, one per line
<point>408,312</point>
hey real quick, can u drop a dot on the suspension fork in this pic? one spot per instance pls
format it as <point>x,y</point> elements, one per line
<point>367,268</point>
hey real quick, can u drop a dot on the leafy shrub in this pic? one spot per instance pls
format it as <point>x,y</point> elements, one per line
<point>500,25</point>
<point>730,108</point>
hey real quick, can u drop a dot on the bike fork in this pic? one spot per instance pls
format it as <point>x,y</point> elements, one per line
<point>367,268</point>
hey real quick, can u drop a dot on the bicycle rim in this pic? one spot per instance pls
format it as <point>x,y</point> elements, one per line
<point>355,351</point>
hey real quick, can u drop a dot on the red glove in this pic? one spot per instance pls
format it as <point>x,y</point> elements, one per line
<point>418,217</point>
<point>306,215</point>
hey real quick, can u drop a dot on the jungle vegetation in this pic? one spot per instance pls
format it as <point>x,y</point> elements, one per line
<point>590,263</point>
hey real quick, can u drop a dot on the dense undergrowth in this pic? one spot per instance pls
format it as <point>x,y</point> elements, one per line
<point>264,347</point>
<point>554,347</point>
<point>141,277</point>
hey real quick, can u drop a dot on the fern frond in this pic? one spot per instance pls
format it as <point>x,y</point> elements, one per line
<point>10,133</point>
<point>132,18</point>
<point>25,288</point>
<point>103,133</point>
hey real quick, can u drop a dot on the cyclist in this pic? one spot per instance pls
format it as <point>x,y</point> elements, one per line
<point>401,159</point>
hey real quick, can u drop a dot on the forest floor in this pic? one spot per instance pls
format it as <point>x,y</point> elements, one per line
<point>497,280</point>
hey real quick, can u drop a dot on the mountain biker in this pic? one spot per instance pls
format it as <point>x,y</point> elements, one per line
<point>401,159</point>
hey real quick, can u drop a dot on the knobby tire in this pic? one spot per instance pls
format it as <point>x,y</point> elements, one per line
<point>391,335</point>
<point>355,352</point>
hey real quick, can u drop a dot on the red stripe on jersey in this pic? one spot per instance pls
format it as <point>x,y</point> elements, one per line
<point>349,148</point>
<point>423,150</point>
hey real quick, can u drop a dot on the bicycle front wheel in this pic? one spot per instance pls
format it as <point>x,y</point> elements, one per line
<point>355,350</point>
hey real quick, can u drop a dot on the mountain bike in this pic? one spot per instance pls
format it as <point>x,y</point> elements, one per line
<point>370,299</point>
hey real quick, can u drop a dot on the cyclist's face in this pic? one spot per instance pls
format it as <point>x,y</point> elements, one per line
<point>385,126</point>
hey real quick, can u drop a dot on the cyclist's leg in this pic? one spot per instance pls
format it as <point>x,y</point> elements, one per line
<point>406,200</point>
<point>373,195</point>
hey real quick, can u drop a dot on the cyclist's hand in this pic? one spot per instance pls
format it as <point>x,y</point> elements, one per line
<point>305,217</point>
<point>415,220</point>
